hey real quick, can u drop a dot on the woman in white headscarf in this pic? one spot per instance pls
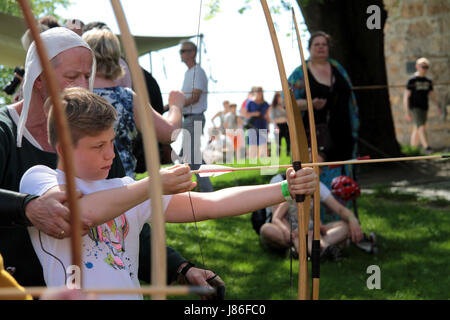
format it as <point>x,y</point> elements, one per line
<point>23,144</point>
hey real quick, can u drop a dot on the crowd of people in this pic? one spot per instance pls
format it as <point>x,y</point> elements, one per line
<point>103,115</point>
<point>245,133</point>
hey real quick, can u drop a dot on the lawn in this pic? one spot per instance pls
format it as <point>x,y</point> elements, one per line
<point>413,240</point>
<point>413,236</point>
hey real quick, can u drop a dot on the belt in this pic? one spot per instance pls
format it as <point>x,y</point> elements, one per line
<point>191,114</point>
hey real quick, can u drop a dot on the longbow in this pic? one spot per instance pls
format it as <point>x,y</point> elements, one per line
<point>299,153</point>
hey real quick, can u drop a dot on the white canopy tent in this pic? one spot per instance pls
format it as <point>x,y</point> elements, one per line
<point>12,53</point>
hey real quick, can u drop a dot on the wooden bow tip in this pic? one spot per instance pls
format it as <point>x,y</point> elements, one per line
<point>299,152</point>
<point>159,257</point>
<point>315,254</point>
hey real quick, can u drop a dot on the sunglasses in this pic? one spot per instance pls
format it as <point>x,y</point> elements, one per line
<point>424,67</point>
<point>185,50</point>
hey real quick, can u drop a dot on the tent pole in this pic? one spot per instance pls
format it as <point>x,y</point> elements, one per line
<point>151,66</point>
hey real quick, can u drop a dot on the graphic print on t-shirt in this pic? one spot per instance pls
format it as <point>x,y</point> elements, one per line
<point>112,234</point>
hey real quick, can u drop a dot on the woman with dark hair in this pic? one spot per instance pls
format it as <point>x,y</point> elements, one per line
<point>335,108</point>
<point>259,118</point>
<point>278,117</point>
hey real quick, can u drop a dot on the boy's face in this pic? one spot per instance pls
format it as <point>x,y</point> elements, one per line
<point>422,68</point>
<point>93,155</point>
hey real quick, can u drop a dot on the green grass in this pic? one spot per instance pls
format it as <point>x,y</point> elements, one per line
<point>413,240</point>
<point>413,236</point>
<point>411,151</point>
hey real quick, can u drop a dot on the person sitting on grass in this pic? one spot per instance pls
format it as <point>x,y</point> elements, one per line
<point>118,208</point>
<point>276,235</point>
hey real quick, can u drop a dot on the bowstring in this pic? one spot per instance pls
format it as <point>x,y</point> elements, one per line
<point>189,193</point>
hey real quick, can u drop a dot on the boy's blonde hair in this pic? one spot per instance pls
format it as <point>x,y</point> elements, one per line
<point>87,115</point>
<point>423,60</point>
<point>106,47</point>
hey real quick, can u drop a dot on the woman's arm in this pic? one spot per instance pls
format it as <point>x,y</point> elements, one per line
<point>318,103</point>
<point>279,212</point>
<point>164,126</point>
<point>346,215</point>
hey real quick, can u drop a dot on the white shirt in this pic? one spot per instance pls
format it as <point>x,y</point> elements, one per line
<point>195,78</point>
<point>110,252</point>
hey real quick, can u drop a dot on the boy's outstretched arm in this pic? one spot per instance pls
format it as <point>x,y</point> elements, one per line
<point>102,206</point>
<point>237,200</point>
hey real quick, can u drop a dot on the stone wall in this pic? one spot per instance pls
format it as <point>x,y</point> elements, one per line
<point>414,29</point>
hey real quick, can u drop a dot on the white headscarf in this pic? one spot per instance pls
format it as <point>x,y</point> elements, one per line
<point>56,40</point>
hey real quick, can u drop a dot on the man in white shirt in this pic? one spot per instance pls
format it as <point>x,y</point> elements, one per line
<point>195,88</point>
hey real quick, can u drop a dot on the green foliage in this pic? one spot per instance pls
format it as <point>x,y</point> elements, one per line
<point>40,8</point>
<point>6,75</point>
<point>245,7</point>
<point>305,3</point>
<point>213,9</point>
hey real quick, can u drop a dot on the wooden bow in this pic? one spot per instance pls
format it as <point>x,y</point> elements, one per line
<point>315,252</point>
<point>299,153</point>
<point>158,289</point>
<point>159,256</point>
<point>63,133</point>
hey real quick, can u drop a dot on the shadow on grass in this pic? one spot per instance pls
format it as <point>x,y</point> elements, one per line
<point>413,257</point>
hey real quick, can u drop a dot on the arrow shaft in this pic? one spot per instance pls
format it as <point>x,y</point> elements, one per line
<point>322,164</point>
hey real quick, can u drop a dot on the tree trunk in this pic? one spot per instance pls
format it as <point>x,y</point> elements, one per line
<point>361,52</point>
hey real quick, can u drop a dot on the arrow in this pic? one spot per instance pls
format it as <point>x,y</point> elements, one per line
<point>217,170</point>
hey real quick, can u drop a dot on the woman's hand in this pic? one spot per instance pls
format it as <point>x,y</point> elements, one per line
<point>319,103</point>
<point>50,214</point>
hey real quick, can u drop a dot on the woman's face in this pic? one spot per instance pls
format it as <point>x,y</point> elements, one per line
<point>319,47</point>
<point>259,95</point>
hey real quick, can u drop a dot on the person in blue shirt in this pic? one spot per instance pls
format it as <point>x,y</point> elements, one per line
<point>257,110</point>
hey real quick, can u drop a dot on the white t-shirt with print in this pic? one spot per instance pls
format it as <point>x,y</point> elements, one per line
<point>110,252</point>
<point>195,78</point>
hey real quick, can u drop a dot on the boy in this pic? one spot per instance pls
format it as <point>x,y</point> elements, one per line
<point>233,125</point>
<point>415,102</point>
<point>118,208</point>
